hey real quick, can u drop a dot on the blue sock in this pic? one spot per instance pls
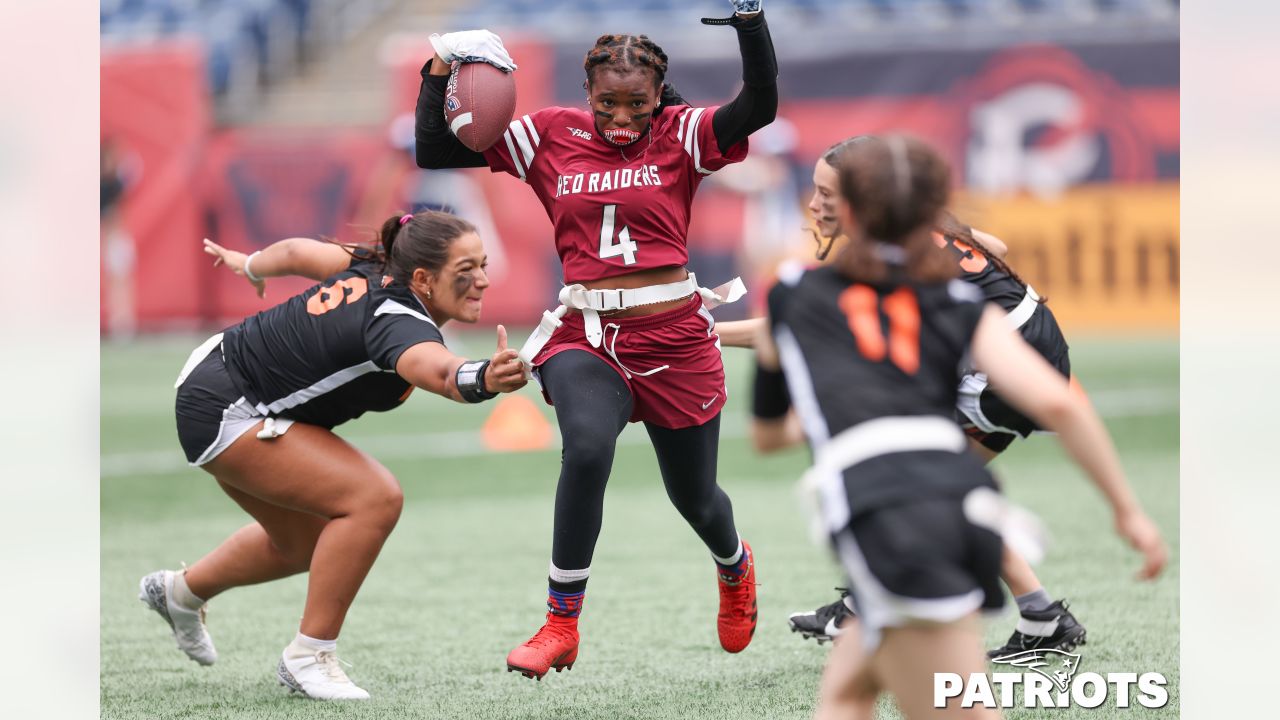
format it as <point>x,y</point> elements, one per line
<point>565,604</point>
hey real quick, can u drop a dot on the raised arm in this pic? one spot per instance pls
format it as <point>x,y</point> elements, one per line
<point>435,147</point>
<point>292,256</point>
<point>1028,382</point>
<point>432,367</point>
<point>757,103</point>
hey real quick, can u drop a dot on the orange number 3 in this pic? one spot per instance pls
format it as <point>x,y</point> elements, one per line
<point>328,298</point>
<point>971,260</point>
<point>862,306</point>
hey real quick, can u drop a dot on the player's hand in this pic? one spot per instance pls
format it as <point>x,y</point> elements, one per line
<point>1143,535</point>
<point>474,46</point>
<point>234,261</point>
<point>745,7</point>
<point>505,372</point>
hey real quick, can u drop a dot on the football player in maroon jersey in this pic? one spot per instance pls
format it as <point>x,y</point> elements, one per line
<point>256,405</point>
<point>632,340</point>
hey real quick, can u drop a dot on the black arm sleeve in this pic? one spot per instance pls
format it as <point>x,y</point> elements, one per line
<point>435,147</point>
<point>757,103</point>
<point>770,398</point>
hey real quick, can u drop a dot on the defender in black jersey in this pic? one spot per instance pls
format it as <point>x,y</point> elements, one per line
<point>257,402</point>
<point>991,423</point>
<point>868,351</point>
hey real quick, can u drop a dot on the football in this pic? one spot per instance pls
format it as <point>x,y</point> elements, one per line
<point>479,102</point>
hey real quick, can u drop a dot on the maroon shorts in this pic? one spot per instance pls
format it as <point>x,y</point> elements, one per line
<point>688,391</point>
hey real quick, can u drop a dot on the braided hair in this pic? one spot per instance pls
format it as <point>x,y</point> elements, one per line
<point>625,52</point>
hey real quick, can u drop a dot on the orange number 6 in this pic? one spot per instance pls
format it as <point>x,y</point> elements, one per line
<point>328,298</point>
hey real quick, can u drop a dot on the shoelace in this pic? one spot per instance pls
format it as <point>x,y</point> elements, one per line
<point>549,634</point>
<point>331,665</point>
<point>739,602</point>
<point>834,610</point>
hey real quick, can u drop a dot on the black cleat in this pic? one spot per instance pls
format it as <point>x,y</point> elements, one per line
<point>1053,628</point>
<point>824,623</point>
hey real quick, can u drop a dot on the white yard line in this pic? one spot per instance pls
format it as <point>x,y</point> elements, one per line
<point>1113,404</point>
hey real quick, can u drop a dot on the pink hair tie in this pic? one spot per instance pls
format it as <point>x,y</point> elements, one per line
<point>406,218</point>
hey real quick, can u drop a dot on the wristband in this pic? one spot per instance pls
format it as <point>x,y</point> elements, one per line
<point>249,273</point>
<point>470,381</point>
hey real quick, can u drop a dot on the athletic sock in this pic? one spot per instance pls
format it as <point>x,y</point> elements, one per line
<point>1034,601</point>
<point>734,566</point>
<point>565,604</point>
<point>182,595</point>
<point>304,645</point>
<point>566,590</point>
<point>848,603</point>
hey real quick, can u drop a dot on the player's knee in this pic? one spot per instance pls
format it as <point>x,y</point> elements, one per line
<point>388,504</point>
<point>382,501</point>
<point>589,451</point>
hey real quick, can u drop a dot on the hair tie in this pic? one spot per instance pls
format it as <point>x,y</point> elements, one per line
<point>406,218</point>
<point>890,253</point>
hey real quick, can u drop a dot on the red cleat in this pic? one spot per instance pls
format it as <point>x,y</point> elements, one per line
<point>554,646</point>
<point>737,620</point>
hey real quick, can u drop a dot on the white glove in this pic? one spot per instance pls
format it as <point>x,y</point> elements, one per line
<point>474,46</point>
<point>745,7</point>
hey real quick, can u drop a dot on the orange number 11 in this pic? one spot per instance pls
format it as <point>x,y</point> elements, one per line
<point>861,305</point>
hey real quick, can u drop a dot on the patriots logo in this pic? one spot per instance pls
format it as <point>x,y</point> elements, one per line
<point>1056,665</point>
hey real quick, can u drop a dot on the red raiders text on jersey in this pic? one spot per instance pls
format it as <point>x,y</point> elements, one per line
<point>614,209</point>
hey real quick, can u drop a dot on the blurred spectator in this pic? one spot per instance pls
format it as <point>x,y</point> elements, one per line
<point>118,171</point>
<point>450,191</point>
<point>772,223</point>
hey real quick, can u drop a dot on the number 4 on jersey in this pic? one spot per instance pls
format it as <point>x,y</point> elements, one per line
<point>624,246</point>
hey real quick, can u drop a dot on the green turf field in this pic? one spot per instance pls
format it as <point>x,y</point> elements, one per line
<point>463,578</point>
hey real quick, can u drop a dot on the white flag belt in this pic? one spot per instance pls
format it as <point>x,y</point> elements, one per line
<point>592,302</point>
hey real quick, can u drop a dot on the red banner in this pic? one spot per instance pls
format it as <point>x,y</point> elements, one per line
<point>1026,122</point>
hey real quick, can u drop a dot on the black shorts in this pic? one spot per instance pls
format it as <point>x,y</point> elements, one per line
<point>984,415</point>
<point>211,412</point>
<point>922,560</point>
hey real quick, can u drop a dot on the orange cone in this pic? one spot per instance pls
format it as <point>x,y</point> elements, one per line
<point>516,424</point>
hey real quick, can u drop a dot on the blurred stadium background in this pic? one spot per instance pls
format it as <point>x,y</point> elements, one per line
<point>251,120</point>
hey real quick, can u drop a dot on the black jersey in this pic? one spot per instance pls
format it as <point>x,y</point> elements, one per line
<point>1039,328</point>
<point>997,286</point>
<point>328,355</point>
<point>859,352</point>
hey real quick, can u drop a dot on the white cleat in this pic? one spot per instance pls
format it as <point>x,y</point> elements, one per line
<point>156,590</point>
<point>319,676</point>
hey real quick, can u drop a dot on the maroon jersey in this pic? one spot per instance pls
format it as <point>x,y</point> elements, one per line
<point>615,209</point>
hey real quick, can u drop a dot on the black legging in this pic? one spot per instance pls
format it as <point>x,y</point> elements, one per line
<point>592,407</point>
